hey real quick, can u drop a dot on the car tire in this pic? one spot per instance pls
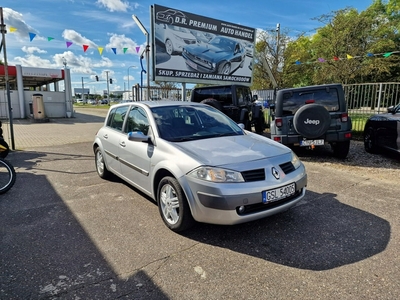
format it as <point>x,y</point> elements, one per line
<point>224,69</point>
<point>173,206</point>
<point>169,47</point>
<point>101,167</point>
<point>370,144</point>
<point>214,103</point>
<point>311,112</point>
<point>341,149</point>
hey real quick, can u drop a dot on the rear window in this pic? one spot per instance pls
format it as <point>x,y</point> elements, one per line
<point>222,94</point>
<point>292,101</point>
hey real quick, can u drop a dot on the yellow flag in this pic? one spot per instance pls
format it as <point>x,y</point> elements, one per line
<point>100,50</point>
<point>349,56</point>
<point>13,29</point>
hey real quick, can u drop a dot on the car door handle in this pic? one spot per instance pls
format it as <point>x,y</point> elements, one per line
<point>105,136</point>
<point>122,144</point>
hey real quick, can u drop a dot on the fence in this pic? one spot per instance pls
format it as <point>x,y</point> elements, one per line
<point>363,100</point>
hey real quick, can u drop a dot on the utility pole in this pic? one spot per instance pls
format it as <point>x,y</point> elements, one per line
<point>3,46</point>
<point>108,89</point>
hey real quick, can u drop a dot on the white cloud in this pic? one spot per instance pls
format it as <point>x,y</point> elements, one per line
<point>14,19</point>
<point>31,50</point>
<point>31,60</point>
<point>114,5</point>
<point>77,38</point>
<point>121,41</point>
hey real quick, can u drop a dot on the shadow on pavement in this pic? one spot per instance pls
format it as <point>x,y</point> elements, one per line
<point>44,251</point>
<point>321,234</point>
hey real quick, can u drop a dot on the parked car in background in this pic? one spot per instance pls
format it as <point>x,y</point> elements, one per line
<point>81,101</point>
<point>382,131</point>
<point>197,163</point>
<point>173,37</point>
<point>222,55</point>
<point>200,36</point>
<point>312,116</point>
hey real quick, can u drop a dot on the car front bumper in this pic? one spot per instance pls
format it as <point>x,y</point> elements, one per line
<point>219,203</point>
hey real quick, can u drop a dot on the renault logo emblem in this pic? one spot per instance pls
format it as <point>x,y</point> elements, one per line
<point>275,173</point>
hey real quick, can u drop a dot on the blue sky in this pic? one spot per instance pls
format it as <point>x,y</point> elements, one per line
<point>108,24</point>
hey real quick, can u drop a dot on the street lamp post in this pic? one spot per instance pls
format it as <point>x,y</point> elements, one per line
<point>129,87</point>
<point>146,33</point>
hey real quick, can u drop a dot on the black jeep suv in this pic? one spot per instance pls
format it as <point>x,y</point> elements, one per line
<point>235,101</point>
<point>312,116</point>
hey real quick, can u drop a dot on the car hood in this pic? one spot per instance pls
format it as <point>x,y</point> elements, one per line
<point>389,116</point>
<point>207,51</point>
<point>232,149</point>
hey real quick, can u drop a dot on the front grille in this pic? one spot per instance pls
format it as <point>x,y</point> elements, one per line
<point>189,42</point>
<point>254,175</point>
<point>287,167</point>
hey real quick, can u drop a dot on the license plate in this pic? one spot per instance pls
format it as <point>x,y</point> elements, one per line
<point>191,64</point>
<point>304,143</point>
<point>279,193</point>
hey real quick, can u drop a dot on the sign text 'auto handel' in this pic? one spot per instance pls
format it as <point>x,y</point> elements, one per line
<point>184,74</point>
<point>229,29</point>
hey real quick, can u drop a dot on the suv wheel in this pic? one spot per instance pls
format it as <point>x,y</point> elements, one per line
<point>312,120</point>
<point>341,149</point>
<point>369,141</point>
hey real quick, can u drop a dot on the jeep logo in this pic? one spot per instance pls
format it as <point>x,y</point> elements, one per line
<point>311,122</point>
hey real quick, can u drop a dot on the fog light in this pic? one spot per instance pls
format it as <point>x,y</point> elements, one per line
<point>241,209</point>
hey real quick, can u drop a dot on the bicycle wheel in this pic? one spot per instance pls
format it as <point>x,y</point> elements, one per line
<point>7,176</point>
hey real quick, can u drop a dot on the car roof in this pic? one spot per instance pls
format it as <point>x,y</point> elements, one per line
<point>160,103</point>
<point>299,89</point>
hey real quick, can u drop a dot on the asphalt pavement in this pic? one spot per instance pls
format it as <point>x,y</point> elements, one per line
<point>67,234</point>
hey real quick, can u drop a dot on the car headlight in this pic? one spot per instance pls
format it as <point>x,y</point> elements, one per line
<point>216,174</point>
<point>295,161</point>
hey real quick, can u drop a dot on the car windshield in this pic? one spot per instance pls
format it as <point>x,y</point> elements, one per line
<point>222,43</point>
<point>184,123</point>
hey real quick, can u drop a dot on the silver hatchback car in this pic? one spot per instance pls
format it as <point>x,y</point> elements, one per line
<point>197,164</point>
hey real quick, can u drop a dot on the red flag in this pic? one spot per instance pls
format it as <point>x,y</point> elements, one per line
<point>85,47</point>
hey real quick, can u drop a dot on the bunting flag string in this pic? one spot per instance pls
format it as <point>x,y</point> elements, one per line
<point>348,57</point>
<point>137,49</point>
<point>69,43</point>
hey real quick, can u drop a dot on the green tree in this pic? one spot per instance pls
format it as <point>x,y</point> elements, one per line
<point>349,47</point>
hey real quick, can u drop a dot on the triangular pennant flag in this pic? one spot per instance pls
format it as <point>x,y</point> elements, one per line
<point>85,47</point>
<point>32,35</point>
<point>100,50</point>
<point>137,49</point>
<point>349,56</point>
<point>49,39</point>
<point>13,29</point>
<point>297,62</point>
<point>369,54</point>
<point>125,49</point>
<point>321,60</point>
<point>387,54</point>
<point>69,44</point>
<point>115,50</point>
<point>335,58</point>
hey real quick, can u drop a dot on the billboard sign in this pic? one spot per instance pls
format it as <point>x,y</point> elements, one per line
<point>195,49</point>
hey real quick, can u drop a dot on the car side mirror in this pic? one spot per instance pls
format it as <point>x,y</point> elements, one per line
<point>391,109</point>
<point>138,136</point>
